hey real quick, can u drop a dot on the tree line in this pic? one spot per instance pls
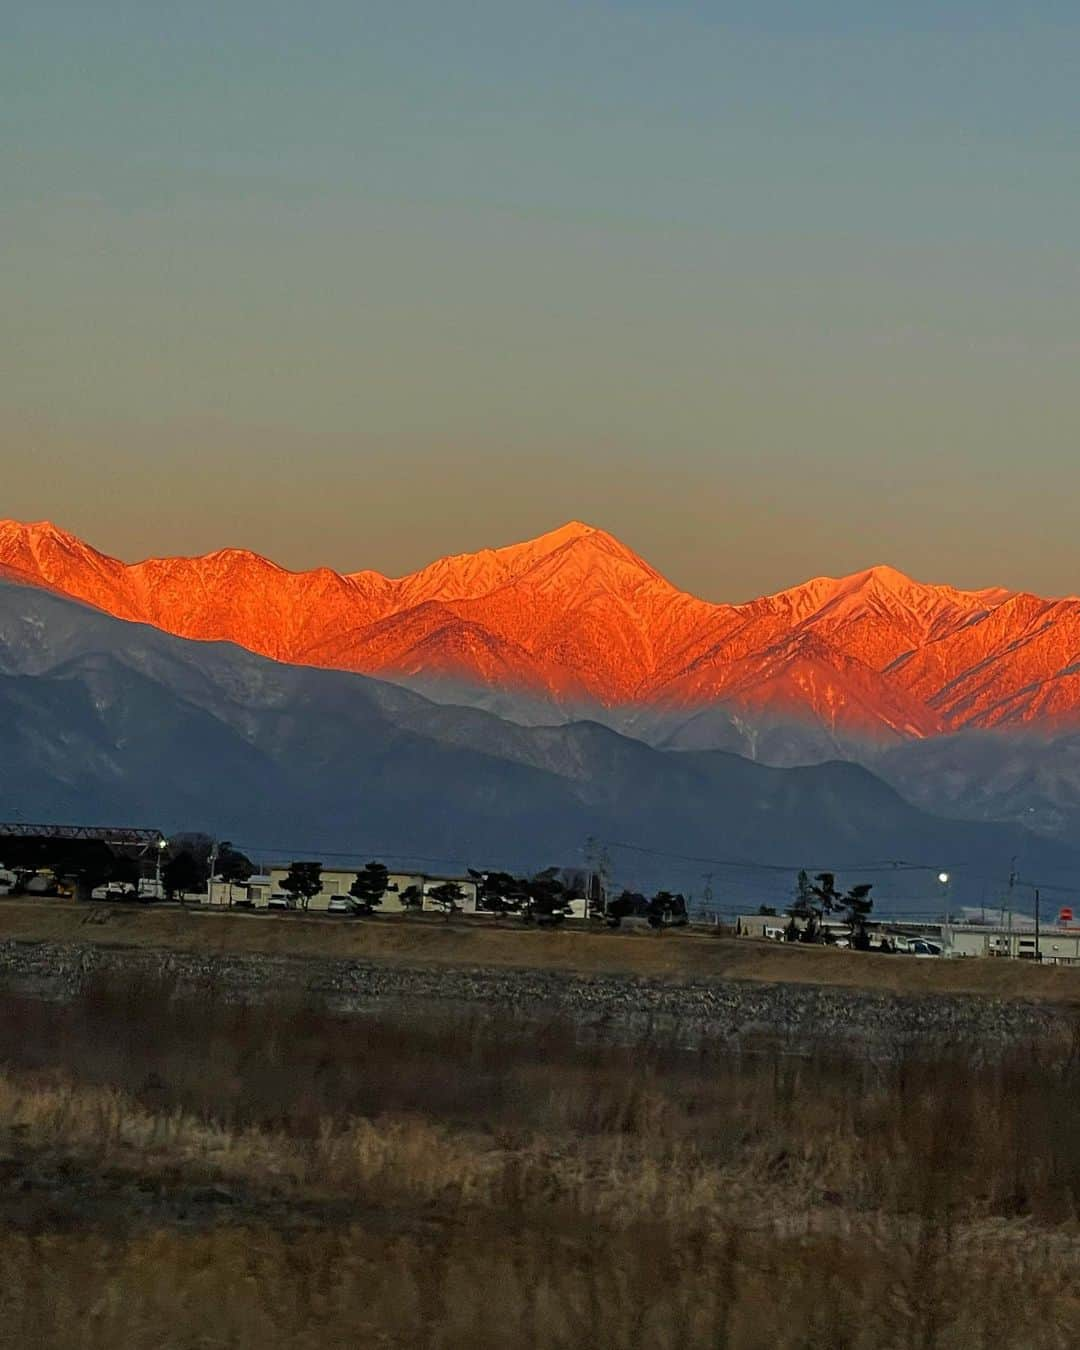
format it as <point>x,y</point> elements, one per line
<point>546,898</point>
<point>818,900</point>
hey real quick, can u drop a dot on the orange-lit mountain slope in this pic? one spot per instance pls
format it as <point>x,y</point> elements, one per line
<point>576,619</point>
<point>986,674</point>
<point>803,673</point>
<point>432,639</point>
<point>232,594</point>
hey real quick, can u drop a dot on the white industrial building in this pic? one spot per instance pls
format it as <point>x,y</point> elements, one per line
<point>1056,945</point>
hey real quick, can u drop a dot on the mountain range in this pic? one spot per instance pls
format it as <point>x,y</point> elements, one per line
<point>968,702</point>
<point>575,623</point>
<point>104,720</point>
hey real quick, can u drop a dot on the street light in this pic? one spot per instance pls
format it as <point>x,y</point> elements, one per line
<point>163,844</point>
<point>943,879</point>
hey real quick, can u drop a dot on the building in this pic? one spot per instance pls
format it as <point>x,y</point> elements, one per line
<point>1053,946</point>
<point>253,893</point>
<point>762,926</point>
<point>336,881</point>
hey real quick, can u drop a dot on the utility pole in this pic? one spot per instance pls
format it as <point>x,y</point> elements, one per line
<point>161,847</point>
<point>598,861</point>
<point>590,871</point>
<point>706,895</point>
<point>604,872</point>
<point>1038,949</point>
<point>210,878</point>
<point>1012,884</point>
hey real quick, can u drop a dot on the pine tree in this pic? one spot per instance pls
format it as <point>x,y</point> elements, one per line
<point>826,901</point>
<point>371,884</point>
<point>547,899</point>
<point>303,881</point>
<point>448,896</point>
<point>232,866</point>
<point>802,911</point>
<point>412,897</point>
<point>858,905</point>
<point>498,892</point>
<point>182,874</point>
<point>660,908</point>
<point>624,905</point>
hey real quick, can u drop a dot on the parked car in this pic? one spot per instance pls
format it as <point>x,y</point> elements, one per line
<point>280,902</point>
<point>921,947</point>
<point>342,904</point>
<point>113,890</point>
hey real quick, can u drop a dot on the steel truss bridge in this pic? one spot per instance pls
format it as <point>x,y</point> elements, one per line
<point>86,854</point>
<point>113,836</point>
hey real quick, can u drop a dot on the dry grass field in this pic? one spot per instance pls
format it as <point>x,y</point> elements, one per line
<point>429,940</point>
<point>180,1172</point>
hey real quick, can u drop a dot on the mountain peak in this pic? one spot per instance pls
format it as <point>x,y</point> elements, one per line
<point>469,576</point>
<point>543,545</point>
<point>573,529</point>
<point>36,532</point>
<point>44,550</point>
<point>585,554</point>
<point>237,557</point>
<point>887,575</point>
<point>577,614</point>
<point>882,580</point>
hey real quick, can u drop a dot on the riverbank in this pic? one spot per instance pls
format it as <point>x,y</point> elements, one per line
<point>678,956</point>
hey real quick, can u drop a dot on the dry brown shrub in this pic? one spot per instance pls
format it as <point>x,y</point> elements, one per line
<point>483,1182</point>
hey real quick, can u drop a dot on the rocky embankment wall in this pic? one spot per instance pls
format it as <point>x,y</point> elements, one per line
<point>734,1010</point>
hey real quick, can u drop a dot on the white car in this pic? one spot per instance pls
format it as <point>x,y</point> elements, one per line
<point>280,902</point>
<point>341,904</point>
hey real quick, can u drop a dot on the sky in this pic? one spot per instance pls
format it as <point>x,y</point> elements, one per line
<point>768,290</point>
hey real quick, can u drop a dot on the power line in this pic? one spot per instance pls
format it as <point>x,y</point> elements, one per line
<point>890,865</point>
<point>885,865</point>
<point>298,852</point>
<point>751,864</point>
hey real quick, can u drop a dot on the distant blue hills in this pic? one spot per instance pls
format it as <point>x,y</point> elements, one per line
<point>104,721</point>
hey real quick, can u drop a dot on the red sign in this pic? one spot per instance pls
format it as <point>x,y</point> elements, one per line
<point>1065,915</point>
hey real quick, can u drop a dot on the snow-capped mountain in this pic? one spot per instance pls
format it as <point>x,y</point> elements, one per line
<point>107,721</point>
<point>575,623</point>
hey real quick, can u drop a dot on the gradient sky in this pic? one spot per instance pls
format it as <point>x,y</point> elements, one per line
<point>766,289</point>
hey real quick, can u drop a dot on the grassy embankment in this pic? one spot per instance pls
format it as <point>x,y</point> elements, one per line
<point>429,940</point>
<point>179,1172</point>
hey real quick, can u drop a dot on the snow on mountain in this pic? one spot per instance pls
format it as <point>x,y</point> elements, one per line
<point>574,622</point>
<point>806,675</point>
<point>103,720</point>
<point>468,575</point>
